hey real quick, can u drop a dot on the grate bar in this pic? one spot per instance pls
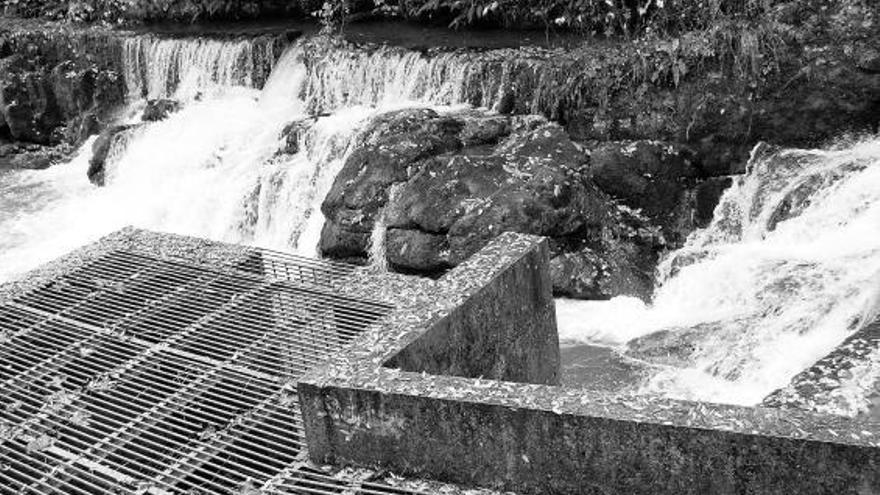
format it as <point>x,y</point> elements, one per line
<point>347,318</point>
<point>163,376</point>
<point>86,430</point>
<point>248,331</point>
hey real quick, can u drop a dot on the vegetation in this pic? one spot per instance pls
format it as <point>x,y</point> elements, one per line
<point>118,11</point>
<point>596,16</point>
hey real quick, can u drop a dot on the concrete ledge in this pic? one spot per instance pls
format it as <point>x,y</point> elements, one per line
<point>506,330</point>
<point>416,419</point>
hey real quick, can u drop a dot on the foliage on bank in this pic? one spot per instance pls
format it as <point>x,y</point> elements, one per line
<point>119,11</point>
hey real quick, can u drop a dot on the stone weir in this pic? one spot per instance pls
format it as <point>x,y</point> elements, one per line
<point>150,363</point>
<point>60,83</point>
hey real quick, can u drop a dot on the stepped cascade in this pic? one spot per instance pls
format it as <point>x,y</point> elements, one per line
<point>788,268</point>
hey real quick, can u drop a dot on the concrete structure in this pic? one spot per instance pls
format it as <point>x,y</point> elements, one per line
<point>458,382</point>
<point>422,394</point>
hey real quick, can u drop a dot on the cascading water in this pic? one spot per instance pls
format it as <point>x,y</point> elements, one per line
<point>217,168</point>
<point>165,68</point>
<point>213,169</point>
<point>788,269</point>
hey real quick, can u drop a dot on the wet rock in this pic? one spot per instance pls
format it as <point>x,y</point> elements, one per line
<point>444,191</point>
<point>588,275</point>
<point>684,258</point>
<point>293,134</point>
<point>481,130</point>
<point>82,127</point>
<point>707,195</point>
<point>416,251</point>
<point>343,244</point>
<point>101,150</point>
<point>672,347</point>
<point>28,156</point>
<point>529,183</point>
<point>385,152</point>
<point>51,79</point>
<point>160,109</point>
<point>4,128</point>
<point>27,101</point>
<point>868,60</point>
<point>649,176</point>
<point>73,87</point>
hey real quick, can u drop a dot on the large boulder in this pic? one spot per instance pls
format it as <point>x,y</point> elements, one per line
<point>383,156</point>
<point>650,176</point>
<point>532,182</point>
<point>441,187</point>
<point>592,274</point>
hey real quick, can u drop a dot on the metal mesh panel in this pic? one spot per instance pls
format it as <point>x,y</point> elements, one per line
<point>133,374</point>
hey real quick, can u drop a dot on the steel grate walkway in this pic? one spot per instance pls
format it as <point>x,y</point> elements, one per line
<point>134,375</point>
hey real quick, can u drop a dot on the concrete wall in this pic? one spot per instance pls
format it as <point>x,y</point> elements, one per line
<point>534,451</point>
<point>390,403</point>
<point>506,331</point>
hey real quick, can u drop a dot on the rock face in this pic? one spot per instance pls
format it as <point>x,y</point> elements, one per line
<point>57,86</point>
<point>30,156</point>
<point>386,152</point>
<point>160,109</point>
<point>40,93</point>
<point>651,177</point>
<point>443,186</point>
<point>101,149</point>
<point>27,102</point>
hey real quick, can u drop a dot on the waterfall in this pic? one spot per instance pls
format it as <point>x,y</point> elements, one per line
<point>788,269</point>
<point>348,75</point>
<point>244,160</point>
<point>164,68</point>
<point>376,248</point>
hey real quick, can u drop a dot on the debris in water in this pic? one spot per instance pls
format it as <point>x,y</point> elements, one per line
<point>57,401</point>
<point>208,433</point>
<point>248,488</point>
<point>80,417</point>
<point>58,381</point>
<point>102,382</point>
<point>110,285</point>
<point>40,443</point>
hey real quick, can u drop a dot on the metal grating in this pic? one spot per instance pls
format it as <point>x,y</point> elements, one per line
<point>134,374</point>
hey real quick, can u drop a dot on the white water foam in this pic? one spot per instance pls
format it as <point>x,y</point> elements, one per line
<point>789,268</point>
<point>767,301</point>
<point>213,169</point>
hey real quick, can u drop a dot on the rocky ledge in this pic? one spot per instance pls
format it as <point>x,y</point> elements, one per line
<point>61,83</point>
<point>58,85</point>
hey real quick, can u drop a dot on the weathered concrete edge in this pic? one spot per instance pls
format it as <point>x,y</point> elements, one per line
<point>497,442</point>
<point>356,411</point>
<point>506,329</point>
